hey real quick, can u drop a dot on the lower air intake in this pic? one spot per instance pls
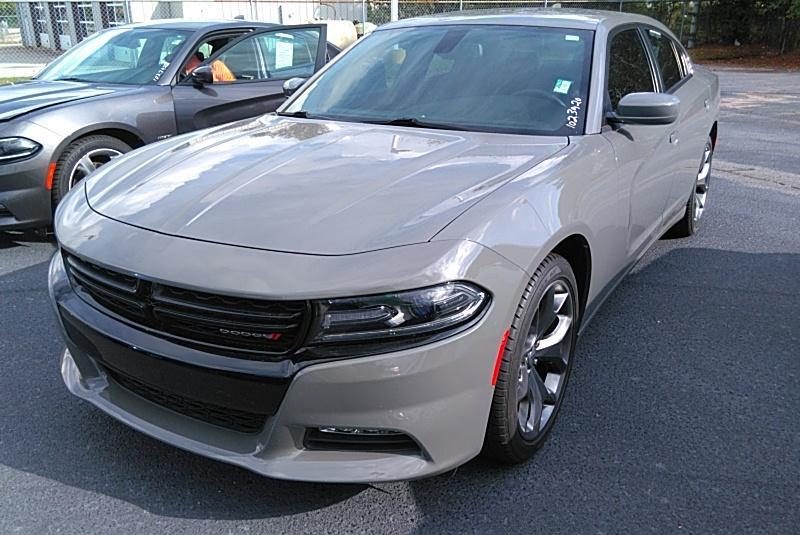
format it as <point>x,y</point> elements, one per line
<point>352,439</point>
<point>236,420</point>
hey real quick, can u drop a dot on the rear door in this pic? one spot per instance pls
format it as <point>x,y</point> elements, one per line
<point>249,74</point>
<point>690,131</point>
<point>645,153</point>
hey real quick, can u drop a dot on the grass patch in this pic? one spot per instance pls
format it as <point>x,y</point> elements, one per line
<point>4,80</point>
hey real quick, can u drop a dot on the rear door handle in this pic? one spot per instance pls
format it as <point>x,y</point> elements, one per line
<point>673,138</point>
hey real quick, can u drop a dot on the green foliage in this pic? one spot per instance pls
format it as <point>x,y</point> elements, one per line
<point>794,9</point>
<point>773,23</point>
<point>8,13</point>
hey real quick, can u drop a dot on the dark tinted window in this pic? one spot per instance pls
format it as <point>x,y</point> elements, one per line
<point>278,54</point>
<point>665,57</point>
<point>519,79</point>
<point>629,71</point>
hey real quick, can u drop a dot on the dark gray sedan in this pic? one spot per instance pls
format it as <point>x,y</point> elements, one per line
<point>132,85</point>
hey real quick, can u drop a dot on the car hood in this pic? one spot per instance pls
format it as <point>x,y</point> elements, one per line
<point>26,97</point>
<point>313,187</point>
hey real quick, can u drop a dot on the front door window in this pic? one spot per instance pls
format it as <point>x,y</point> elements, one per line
<point>628,70</point>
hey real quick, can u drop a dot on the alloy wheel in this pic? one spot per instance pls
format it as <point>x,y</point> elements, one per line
<point>545,359</point>
<point>701,185</point>
<point>89,162</point>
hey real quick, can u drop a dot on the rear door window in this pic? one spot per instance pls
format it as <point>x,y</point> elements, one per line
<point>666,58</point>
<point>269,55</point>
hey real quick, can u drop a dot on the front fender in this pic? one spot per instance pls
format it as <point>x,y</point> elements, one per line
<point>145,114</point>
<point>574,192</point>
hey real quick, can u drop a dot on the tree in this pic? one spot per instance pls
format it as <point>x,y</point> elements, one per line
<point>772,22</point>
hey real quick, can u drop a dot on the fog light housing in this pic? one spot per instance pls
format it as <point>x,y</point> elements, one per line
<point>359,431</point>
<point>360,439</point>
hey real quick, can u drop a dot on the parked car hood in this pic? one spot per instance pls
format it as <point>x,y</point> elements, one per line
<point>26,97</point>
<point>314,187</point>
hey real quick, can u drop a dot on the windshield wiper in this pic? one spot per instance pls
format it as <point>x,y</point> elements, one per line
<point>403,121</point>
<point>302,114</point>
<point>417,123</point>
<point>70,79</point>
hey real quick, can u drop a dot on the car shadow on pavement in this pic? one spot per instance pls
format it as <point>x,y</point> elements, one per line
<point>9,240</point>
<point>664,401</point>
<point>681,412</point>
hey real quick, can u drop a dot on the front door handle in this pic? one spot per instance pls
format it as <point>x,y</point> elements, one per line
<point>673,138</point>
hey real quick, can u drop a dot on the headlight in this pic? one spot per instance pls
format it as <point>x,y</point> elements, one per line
<point>390,322</point>
<point>17,148</point>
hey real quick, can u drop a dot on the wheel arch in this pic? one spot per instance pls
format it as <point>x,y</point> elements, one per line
<point>576,251</point>
<point>122,132</point>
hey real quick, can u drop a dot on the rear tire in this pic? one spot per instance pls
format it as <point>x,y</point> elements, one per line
<point>81,158</point>
<point>696,204</point>
<point>535,365</point>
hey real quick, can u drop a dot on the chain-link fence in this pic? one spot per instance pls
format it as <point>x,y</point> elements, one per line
<point>34,32</point>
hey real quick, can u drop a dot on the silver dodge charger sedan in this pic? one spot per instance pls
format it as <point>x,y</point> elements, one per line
<point>388,276</point>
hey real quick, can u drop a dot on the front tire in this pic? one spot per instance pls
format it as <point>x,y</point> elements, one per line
<point>81,158</point>
<point>536,364</point>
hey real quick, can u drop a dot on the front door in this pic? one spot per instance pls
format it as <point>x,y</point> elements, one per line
<point>248,76</point>
<point>645,155</point>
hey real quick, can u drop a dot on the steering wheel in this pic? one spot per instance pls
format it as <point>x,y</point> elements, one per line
<point>546,95</point>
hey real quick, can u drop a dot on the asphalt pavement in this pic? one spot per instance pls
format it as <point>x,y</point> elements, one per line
<point>682,416</point>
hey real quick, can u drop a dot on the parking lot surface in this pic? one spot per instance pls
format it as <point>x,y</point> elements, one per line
<point>681,415</point>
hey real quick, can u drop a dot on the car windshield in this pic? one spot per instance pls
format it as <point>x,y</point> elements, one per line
<point>490,78</point>
<point>136,56</point>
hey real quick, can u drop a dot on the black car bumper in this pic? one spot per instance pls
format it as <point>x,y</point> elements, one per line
<point>109,352</point>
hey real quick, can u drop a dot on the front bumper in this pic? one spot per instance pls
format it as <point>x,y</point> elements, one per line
<point>439,395</point>
<point>25,202</point>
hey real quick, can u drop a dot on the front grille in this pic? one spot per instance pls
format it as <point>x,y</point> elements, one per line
<point>235,326</point>
<point>315,439</point>
<point>242,421</point>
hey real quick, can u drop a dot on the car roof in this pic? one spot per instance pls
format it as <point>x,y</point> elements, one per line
<point>194,25</point>
<point>579,19</point>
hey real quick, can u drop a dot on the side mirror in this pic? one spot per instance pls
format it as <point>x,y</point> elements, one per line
<point>202,75</point>
<point>291,85</point>
<point>646,108</point>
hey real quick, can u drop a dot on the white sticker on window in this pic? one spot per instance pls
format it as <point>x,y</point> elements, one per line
<point>574,112</point>
<point>284,52</point>
<point>572,38</point>
<point>562,86</point>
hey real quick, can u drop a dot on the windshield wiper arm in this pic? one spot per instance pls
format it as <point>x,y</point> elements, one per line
<point>70,79</point>
<point>417,123</point>
<point>302,114</point>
